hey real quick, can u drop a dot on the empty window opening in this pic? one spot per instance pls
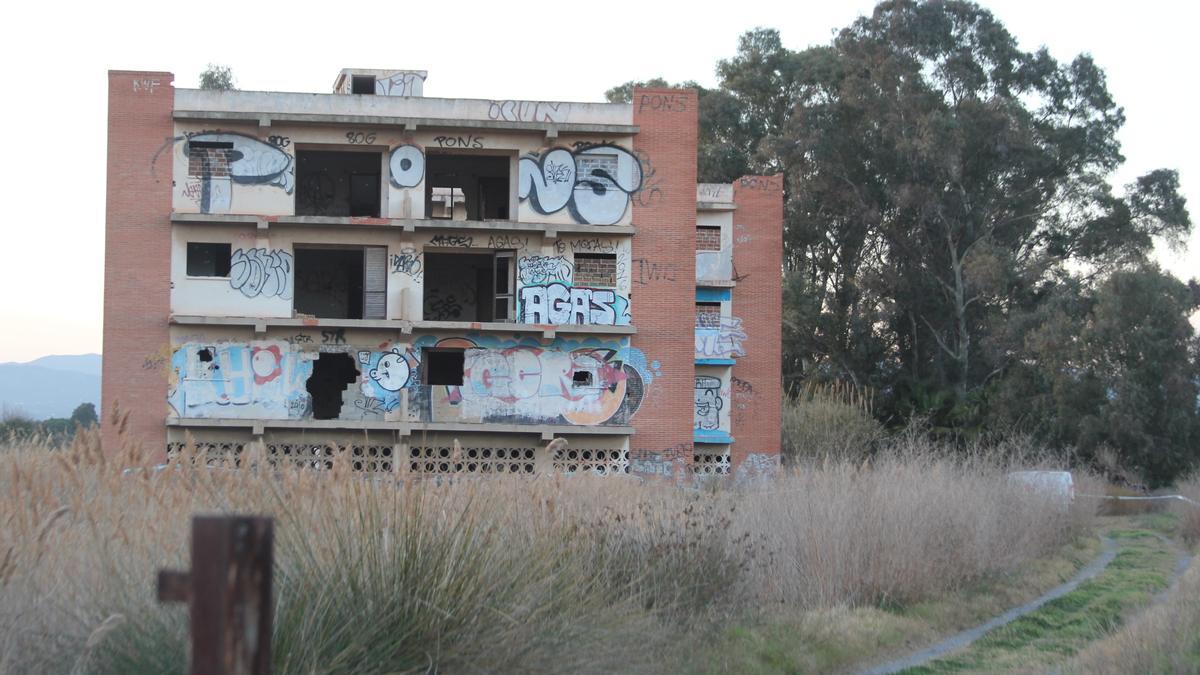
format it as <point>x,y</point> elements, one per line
<point>333,373</point>
<point>708,238</point>
<point>581,378</point>
<point>468,287</point>
<point>340,184</point>
<point>708,315</point>
<point>595,269</point>
<point>362,84</point>
<point>447,204</point>
<point>208,260</point>
<point>443,366</point>
<point>341,283</point>
<point>481,181</point>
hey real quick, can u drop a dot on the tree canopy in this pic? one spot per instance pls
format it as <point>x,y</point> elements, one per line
<point>953,239</point>
<point>217,77</point>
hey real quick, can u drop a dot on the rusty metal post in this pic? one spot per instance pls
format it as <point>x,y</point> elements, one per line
<point>228,591</point>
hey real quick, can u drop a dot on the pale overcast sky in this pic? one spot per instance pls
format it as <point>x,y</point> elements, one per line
<point>55,58</point>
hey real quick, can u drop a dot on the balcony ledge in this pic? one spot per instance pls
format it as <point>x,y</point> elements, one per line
<point>404,326</point>
<point>406,224</point>
<point>546,431</point>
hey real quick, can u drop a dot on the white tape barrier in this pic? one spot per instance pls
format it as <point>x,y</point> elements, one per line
<point>1143,499</point>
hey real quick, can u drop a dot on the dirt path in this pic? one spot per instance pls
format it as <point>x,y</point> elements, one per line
<point>1159,565</point>
<point>968,636</point>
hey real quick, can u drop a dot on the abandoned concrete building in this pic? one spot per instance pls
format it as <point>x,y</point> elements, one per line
<point>392,273</point>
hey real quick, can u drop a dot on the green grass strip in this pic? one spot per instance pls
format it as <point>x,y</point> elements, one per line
<point>1062,627</point>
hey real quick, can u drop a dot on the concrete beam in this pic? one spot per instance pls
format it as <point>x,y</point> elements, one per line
<point>403,326</point>
<point>257,426</point>
<point>409,123</point>
<point>408,224</point>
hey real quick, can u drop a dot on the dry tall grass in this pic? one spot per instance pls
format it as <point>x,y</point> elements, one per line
<point>1165,639</point>
<point>546,574</point>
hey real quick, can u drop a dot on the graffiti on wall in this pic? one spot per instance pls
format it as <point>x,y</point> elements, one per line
<point>529,111</point>
<point>709,403</point>
<point>384,374</point>
<point>665,462</point>
<point>544,269</point>
<point>523,381</point>
<point>723,342</point>
<point>743,399</point>
<point>401,83</point>
<point>757,466</point>
<point>262,379</point>
<point>594,182</point>
<point>559,304</point>
<point>221,160</point>
<point>408,262</point>
<point>407,166</point>
<point>261,272</point>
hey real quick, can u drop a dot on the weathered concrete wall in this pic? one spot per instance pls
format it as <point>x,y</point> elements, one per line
<point>482,110</point>
<point>137,247</point>
<point>716,265</point>
<point>665,215</point>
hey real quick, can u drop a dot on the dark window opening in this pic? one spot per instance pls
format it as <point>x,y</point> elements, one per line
<point>443,366</point>
<point>341,283</point>
<point>332,375</point>
<point>362,84</point>
<point>208,260</point>
<point>477,184</point>
<point>339,184</point>
<point>582,378</point>
<point>468,287</point>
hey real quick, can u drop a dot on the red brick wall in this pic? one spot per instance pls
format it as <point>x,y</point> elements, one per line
<point>664,213</point>
<point>137,255</point>
<point>757,389</point>
<point>708,238</point>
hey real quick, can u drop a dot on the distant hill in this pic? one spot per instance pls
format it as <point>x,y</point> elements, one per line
<point>50,386</point>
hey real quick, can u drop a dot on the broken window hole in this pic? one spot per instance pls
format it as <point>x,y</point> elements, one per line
<point>333,373</point>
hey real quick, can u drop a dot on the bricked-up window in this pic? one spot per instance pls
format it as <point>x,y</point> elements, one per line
<point>596,270</point>
<point>708,315</point>
<point>208,260</point>
<point>209,158</point>
<point>708,238</point>
<point>593,166</point>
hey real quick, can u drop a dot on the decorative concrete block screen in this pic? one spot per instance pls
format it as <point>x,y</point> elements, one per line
<point>224,454</point>
<point>710,463</point>
<point>600,461</point>
<point>443,460</point>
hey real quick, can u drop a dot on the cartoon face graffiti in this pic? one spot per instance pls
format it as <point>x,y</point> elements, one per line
<point>392,371</point>
<point>708,402</point>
